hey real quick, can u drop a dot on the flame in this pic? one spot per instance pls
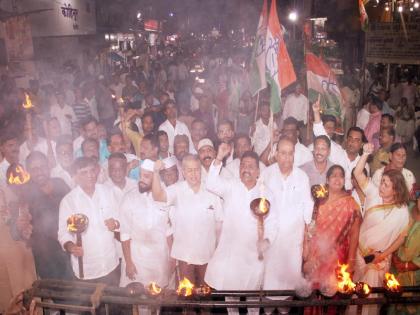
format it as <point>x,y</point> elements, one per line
<point>76,223</point>
<point>366,288</point>
<point>28,103</point>
<point>321,192</point>
<point>19,176</point>
<point>263,207</point>
<point>345,284</point>
<point>113,96</point>
<point>154,288</point>
<point>185,287</point>
<point>391,283</point>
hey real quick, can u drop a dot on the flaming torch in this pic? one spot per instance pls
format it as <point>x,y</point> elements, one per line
<point>362,289</point>
<point>18,175</point>
<point>392,286</point>
<point>154,289</point>
<point>345,285</point>
<point>260,207</point>
<point>77,223</point>
<point>185,288</point>
<point>319,194</point>
<point>27,105</point>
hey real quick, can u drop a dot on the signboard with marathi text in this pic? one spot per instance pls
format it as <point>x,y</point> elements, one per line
<point>391,43</point>
<point>64,17</point>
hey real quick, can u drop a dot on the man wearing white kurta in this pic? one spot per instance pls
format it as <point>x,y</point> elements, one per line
<point>346,158</point>
<point>235,264</point>
<point>261,134</point>
<point>194,219</point>
<point>118,181</point>
<point>99,252</point>
<point>293,209</point>
<point>242,145</point>
<point>296,106</point>
<point>144,234</point>
<point>172,126</point>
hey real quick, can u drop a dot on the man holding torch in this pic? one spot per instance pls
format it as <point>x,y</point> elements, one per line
<point>100,262</point>
<point>237,263</point>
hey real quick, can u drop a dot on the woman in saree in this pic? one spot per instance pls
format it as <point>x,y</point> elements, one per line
<point>332,237</point>
<point>384,227</point>
<point>406,262</point>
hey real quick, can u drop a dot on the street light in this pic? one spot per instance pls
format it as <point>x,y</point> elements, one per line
<point>416,5</point>
<point>400,8</point>
<point>171,14</point>
<point>293,16</point>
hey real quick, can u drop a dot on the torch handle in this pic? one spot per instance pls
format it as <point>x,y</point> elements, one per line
<point>260,225</point>
<point>29,125</point>
<point>80,259</point>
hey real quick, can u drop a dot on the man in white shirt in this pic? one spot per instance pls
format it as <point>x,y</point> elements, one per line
<point>261,133</point>
<point>172,126</point>
<point>296,106</point>
<point>226,134</point>
<point>169,173</point>
<point>9,148</point>
<point>291,131</point>
<point>346,158</point>
<point>118,181</point>
<point>206,154</point>
<point>235,264</point>
<point>145,234</point>
<point>242,145</point>
<point>64,113</point>
<point>99,252</point>
<point>326,126</point>
<point>62,169</point>
<point>194,220</point>
<point>293,209</point>
<point>89,129</point>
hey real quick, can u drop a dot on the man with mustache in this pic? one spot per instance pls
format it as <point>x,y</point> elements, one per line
<point>242,144</point>
<point>235,264</point>
<point>318,167</point>
<point>194,220</point>
<point>144,230</point>
<point>207,154</point>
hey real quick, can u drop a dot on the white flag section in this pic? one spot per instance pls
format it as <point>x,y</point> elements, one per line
<point>257,72</point>
<point>321,80</point>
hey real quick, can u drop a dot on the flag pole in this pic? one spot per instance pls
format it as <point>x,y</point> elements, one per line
<point>256,107</point>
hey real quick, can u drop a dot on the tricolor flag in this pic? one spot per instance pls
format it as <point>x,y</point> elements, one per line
<point>279,68</point>
<point>257,78</point>
<point>364,20</point>
<point>321,80</point>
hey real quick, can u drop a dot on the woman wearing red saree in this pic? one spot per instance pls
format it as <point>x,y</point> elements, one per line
<point>332,237</point>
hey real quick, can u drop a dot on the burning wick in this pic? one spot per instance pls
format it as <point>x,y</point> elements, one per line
<point>185,287</point>
<point>319,192</point>
<point>28,103</point>
<point>202,290</point>
<point>345,285</point>
<point>154,289</point>
<point>391,283</point>
<point>260,208</point>
<point>19,176</point>
<point>362,289</point>
<point>77,223</point>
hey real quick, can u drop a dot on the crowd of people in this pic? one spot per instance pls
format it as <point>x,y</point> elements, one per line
<point>165,167</point>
